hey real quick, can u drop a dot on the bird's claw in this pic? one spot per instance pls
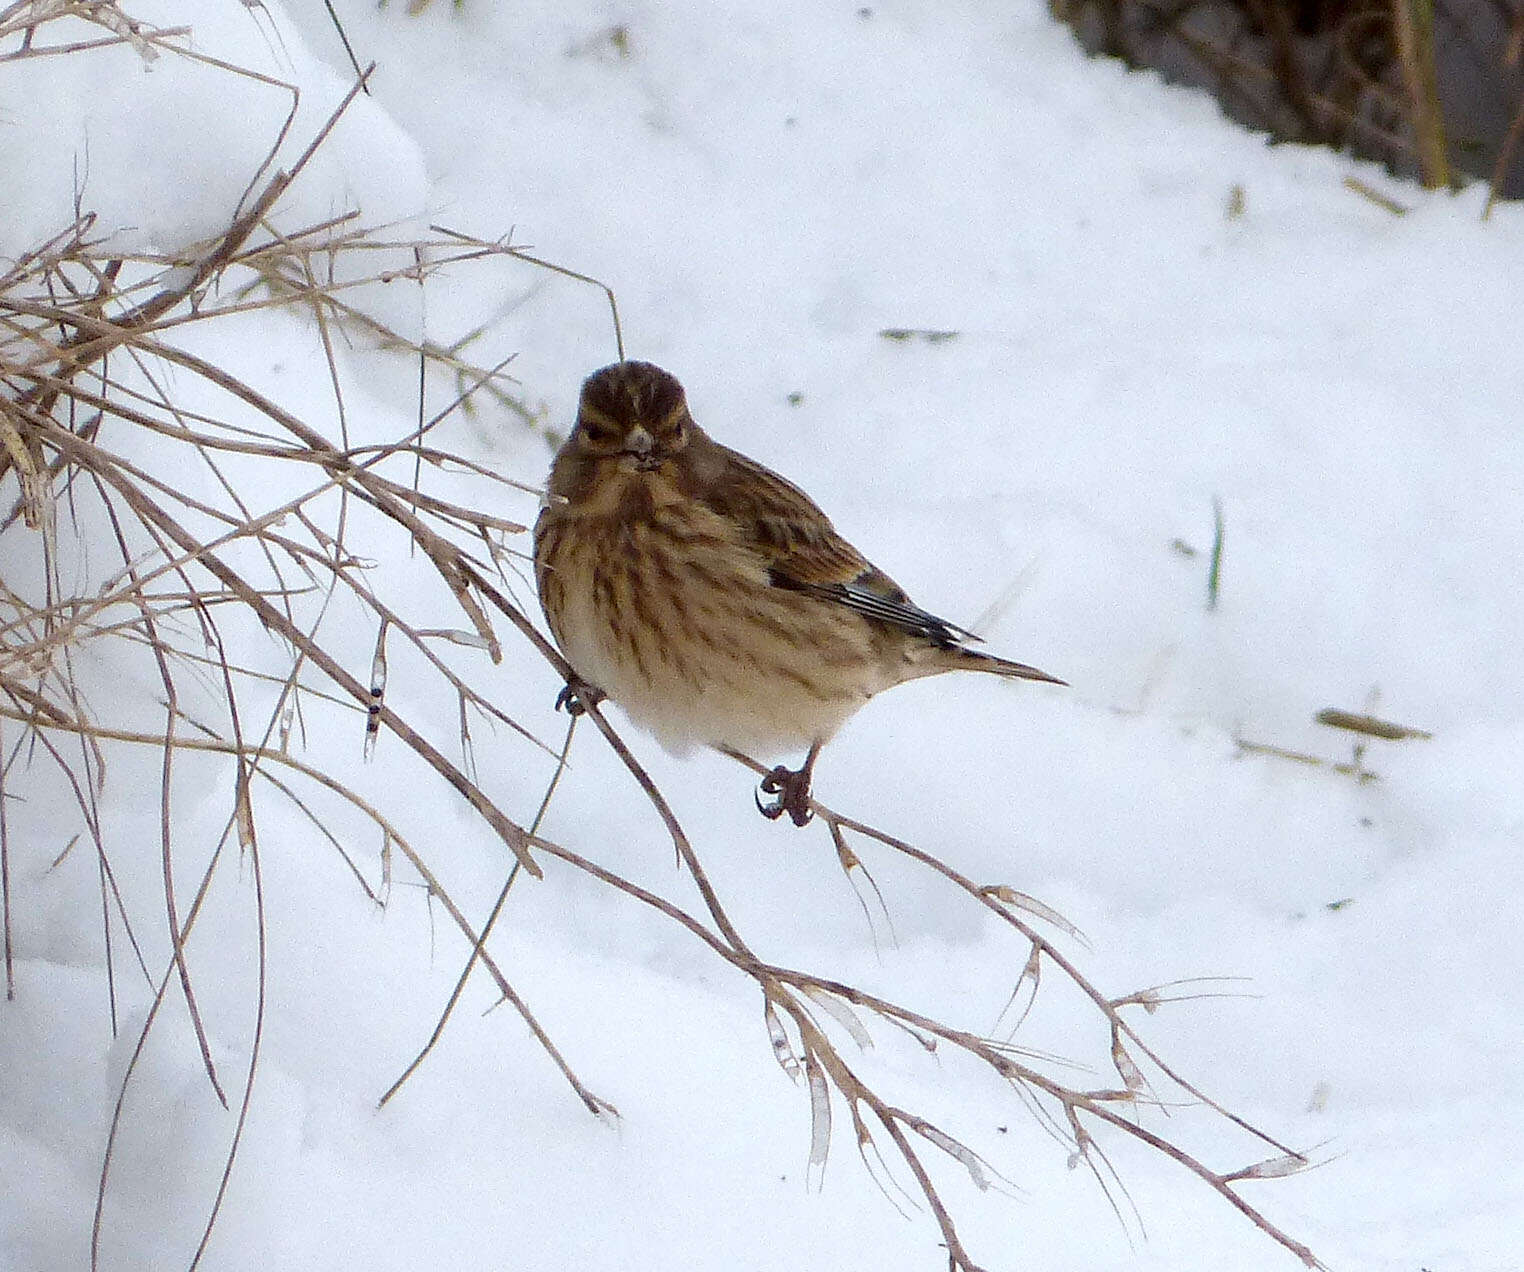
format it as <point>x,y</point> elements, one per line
<point>577,696</point>
<point>792,788</point>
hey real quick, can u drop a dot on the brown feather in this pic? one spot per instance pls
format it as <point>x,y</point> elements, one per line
<point>773,516</point>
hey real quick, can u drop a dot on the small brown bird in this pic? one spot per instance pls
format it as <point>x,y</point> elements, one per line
<point>710,598</point>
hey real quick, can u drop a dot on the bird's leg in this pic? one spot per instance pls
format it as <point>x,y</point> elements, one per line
<point>577,696</point>
<point>792,787</point>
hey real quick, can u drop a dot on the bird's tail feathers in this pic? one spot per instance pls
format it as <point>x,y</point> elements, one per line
<point>962,659</point>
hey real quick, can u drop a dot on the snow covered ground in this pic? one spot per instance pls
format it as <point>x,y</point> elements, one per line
<point>1154,310</point>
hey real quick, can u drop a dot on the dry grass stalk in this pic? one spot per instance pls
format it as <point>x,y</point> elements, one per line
<point>1371,726</point>
<point>1413,24</point>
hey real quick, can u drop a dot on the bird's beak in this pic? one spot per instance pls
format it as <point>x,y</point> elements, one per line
<point>640,446</point>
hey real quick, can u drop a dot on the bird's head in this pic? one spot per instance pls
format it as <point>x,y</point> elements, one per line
<point>632,412</point>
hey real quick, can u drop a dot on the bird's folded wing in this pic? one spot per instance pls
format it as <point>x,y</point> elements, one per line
<point>868,595</point>
<point>804,553</point>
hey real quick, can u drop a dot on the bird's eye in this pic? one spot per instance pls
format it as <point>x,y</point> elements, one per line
<point>600,434</point>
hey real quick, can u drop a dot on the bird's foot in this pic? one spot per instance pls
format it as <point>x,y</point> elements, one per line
<point>792,789</point>
<point>577,696</point>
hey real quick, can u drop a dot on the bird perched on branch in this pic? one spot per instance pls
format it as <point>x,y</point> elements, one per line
<point>712,599</point>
